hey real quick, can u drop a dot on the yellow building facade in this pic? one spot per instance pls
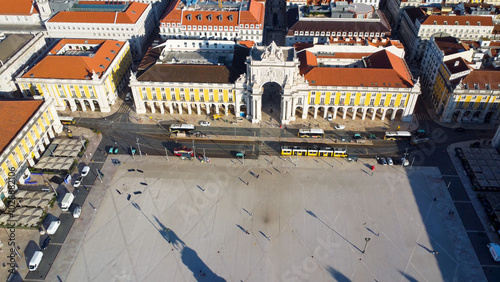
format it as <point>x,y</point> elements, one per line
<point>28,128</point>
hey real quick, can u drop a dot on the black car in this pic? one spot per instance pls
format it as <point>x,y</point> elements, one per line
<point>45,243</point>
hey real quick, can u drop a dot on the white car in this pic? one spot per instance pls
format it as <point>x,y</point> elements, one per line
<point>339,126</point>
<point>204,123</point>
<point>329,117</point>
<point>389,161</point>
<point>78,181</point>
<point>77,212</point>
<point>85,171</point>
<point>128,97</point>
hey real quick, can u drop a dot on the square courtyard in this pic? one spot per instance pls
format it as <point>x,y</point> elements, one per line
<point>272,219</point>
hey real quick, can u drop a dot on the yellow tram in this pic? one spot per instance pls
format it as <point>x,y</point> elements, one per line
<point>313,151</point>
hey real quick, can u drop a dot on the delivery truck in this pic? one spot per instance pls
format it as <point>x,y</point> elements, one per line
<point>35,260</point>
<point>67,200</point>
<point>54,225</point>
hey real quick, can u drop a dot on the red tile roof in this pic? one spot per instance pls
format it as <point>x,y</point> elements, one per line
<point>129,16</point>
<point>13,116</point>
<point>254,15</point>
<point>246,43</point>
<point>75,66</point>
<point>482,79</point>
<point>17,7</point>
<point>383,69</point>
<point>462,20</point>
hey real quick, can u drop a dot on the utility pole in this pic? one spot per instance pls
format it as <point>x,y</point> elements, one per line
<point>139,146</point>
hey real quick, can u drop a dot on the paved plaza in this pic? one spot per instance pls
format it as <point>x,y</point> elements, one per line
<point>270,219</point>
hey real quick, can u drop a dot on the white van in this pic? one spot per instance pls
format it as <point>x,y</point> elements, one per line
<point>35,260</point>
<point>53,227</point>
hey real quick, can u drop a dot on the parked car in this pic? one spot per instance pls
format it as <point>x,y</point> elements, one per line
<point>78,181</point>
<point>405,162</point>
<point>389,161</point>
<point>77,211</point>
<point>383,160</point>
<point>239,119</point>
<point>204,123</point>
<point>459,129</point>
<point>45,243</point>
<point>128,97</point>
<point>329,117</point>
<point>85,171</point>
<point>339,126</point>
<point>357,136</point>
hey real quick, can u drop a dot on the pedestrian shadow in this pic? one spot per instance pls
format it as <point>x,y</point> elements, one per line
<point>189,257</point>
<point>373,232</point>
<point>337,276</point>
<point>242,229</point>
<point>340,235</point>
<point>424,247</point>
<point>408,277</point>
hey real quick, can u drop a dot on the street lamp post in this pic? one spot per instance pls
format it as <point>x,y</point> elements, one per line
<point>366,243</point>
<point>139,146</point>
<point>243,154</point>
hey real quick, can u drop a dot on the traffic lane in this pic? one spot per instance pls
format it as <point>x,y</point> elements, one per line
<point>235,131</point>
<point>49,255</point>
<point>492,272</point>
<point>67,220</point>
<point>469,217</point>
<point>480,241</point>
<point>456,189</point>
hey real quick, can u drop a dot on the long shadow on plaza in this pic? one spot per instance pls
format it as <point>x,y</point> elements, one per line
<point>337,275</point>
<point>201,272</point>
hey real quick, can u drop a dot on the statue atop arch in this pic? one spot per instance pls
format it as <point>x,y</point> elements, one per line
<point>273,53</point>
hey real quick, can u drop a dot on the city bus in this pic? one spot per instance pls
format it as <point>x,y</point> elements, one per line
<point>397,135</point>
<point>181,128</point>
<point>67,120</point>
<point>315,133</point>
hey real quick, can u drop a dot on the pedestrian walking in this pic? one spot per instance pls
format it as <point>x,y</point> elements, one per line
<point>247,232</point>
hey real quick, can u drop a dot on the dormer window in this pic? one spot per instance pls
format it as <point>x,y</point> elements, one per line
<point>435,22</point>
<point>101,66</point>
<point>445,22</point>
<point>188,17</point>
<point>198,17</point>
<point>230,18</point>
<point>209,17</point>
<point>479,23</point>
<point>467,23</point>
<point>456,22</point>
<point>219,17</point>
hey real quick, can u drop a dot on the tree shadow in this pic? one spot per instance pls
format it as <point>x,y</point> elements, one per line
<point>337,275</point>
<point>201,272</point>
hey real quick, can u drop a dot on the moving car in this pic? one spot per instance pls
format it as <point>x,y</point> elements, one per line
<point>85,171</point>
<point>339,126</point>
<point>329,117</point>
<point>78,181</point>
<point>67,179</point>
<point>204,123</point>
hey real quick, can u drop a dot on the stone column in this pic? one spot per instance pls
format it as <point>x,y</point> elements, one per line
<point>334,112</point>
<point>208,108</point>
<point>72,105</point>
<point>393,115</point>
<point>217,109</point>
<point>325,112</point>
<point>82,103</point>
<point>354,113</point>
<point>92,107</point>
<point>198,109</point>
<point>189,108</point>
<point>383,114</point>
<point>315,112</point>
<point>364,114</point>
<point>162,110</point>
<point>171,108</point>
<point>374,113</point>
<point>305,111</point>
<point>153,107</point>
<point>180,108</point>
<point>344,113</point>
